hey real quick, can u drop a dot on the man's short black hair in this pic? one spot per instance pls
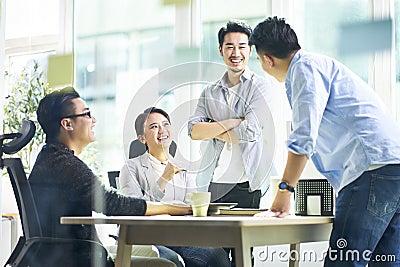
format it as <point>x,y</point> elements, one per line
<point>234,25</point>
<point>274,37</point>
<point>53,107</point>
<point>141,118</point>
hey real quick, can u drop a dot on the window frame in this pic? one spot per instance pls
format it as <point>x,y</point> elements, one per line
<point>61,43</point>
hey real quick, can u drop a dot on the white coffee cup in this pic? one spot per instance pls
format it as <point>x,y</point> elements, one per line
<point>200,201</point>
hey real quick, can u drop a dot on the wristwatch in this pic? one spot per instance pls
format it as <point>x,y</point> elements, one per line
<point>285,186</point>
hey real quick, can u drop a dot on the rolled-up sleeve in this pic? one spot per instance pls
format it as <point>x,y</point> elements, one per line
<point>200,114</point>
<point>249,104</point>
<point>254,119</point>
<point>309,94</point>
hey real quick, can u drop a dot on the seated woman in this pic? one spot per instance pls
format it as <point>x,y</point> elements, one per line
<point>153,177</point>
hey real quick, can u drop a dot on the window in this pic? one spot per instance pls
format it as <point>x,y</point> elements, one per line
<point>319,28</point>
<point>32,32</point>
<point>31,18</point>
<point>116,54</point>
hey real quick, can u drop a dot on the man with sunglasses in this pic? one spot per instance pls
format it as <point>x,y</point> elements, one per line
<point>63,185</point>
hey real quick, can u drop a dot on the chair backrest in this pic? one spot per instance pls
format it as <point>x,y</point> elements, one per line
<point>24,197</point>
<point>19,182</point>
<point>18,140</point>
<point>112,178</point>
<point>137,148</point>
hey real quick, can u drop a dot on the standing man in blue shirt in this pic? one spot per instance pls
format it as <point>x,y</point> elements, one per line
<point>231,114</point>
<point>339,123</point>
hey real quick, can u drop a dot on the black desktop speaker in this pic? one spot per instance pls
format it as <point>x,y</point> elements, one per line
<point>314,197</point>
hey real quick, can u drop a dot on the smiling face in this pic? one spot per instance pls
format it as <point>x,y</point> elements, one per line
<point>157,132</point>
<point>236,51</point>
<point>83,125</point>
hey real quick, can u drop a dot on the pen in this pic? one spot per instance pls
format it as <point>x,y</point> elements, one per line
<point>163,163</point>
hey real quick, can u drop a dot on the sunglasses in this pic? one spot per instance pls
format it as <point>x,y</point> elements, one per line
<point>87,113</point>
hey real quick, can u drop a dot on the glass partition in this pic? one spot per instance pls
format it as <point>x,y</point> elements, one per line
<point>319,25</point>
<point>120,47</point>
<point>118,53</point>
<point>117,48</point>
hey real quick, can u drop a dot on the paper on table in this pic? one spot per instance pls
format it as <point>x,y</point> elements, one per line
<point>313,205</point>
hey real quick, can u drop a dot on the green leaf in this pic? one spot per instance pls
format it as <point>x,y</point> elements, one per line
<point>27,89</point>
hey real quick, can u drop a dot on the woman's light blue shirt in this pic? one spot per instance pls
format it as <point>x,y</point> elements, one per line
<point>338,121</point>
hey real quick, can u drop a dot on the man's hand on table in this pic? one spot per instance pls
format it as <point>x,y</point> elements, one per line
<point>280,207</point>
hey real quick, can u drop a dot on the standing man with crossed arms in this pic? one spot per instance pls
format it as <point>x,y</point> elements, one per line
<point>230,113</point>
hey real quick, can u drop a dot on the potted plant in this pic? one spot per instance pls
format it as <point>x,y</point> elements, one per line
<point>26,90</point>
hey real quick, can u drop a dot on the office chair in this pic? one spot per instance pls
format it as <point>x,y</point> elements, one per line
<point>33,249</point>
<point>112,178</point>
<point>136,149</point>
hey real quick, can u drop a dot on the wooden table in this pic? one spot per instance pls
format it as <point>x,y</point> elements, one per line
<point>239,232</point>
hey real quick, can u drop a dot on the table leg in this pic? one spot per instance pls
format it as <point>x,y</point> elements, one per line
<point>243,255</point>
<point>123,258</point>
<point>294,262</point>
